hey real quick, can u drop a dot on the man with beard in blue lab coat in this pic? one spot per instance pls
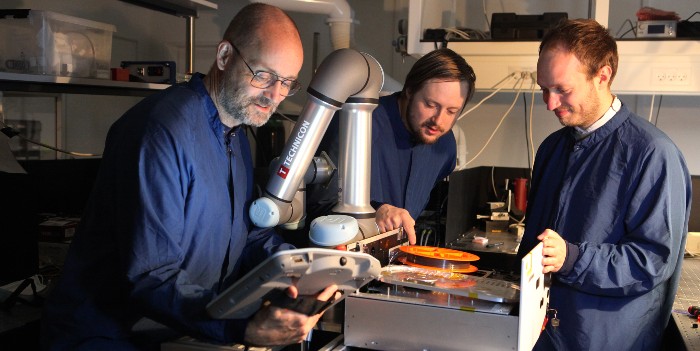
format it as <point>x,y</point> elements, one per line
<point>167,225</point>
<point>413,146</point>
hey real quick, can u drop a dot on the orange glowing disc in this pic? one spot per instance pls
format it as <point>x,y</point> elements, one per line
<point>439,253</point>
<point>438,258</point>
<point>464,268</point>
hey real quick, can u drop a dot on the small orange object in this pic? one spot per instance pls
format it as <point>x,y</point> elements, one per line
<point>120,74</point>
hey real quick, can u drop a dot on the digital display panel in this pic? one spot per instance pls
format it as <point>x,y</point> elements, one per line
<point>656,29</point>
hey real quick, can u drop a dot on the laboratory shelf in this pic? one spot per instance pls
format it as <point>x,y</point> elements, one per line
<point>181,8</point>
<point>47,84</point>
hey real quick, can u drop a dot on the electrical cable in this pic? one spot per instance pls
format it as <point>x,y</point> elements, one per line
<point>455,32</point>
<point>10,132</point>
<point>487,97</point>
<point>517,95</point>
<point>519,221</point>
<point>651,107</point>
<point>506,77</point>
<point>286,117</point>
<point>658,110</point>
<point>463,33</point>
<point>440,234</point>
<point>493,182</point>
<point>527,140</point>
<point>532,142</point>
<point>691,16</point>
<point>72,153</point>
<point>632,29</point>
<point>486,16</point>
<point>531,154</point>
<point>425,235</point>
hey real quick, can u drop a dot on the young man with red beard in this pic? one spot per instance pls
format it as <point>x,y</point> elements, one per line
<point>610,200</point>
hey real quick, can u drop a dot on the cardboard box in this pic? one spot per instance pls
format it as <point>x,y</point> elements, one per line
<point>52,253</point>
<point>43,42</point>
<point>57,229</point>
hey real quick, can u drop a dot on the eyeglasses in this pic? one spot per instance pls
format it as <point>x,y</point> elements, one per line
<point>265,79</point>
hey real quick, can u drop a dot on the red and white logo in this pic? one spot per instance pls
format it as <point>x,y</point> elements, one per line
<point>282,172</point>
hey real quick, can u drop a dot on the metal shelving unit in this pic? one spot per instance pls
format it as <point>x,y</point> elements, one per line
<point>181,8</point>
<point>45,84</point>
<point>18,84</point>
<point>25,85</point>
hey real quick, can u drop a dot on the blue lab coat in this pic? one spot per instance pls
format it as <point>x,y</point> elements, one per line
<point>403,172</point>
<point>621,199</point>
<point>166,228</point>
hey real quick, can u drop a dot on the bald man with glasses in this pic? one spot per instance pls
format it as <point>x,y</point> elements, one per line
<point>167,226</point>
<point>264,79</point>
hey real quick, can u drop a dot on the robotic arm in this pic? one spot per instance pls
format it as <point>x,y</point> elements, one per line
<point>346,79</point>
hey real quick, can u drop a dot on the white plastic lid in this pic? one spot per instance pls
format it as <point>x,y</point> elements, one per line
<point>333,230</point>
<point>75,20</point>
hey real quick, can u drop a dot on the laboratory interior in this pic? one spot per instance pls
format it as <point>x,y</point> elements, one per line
<point>451,274</point>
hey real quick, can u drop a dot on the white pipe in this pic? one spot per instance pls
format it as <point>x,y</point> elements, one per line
<point>341,30</point>
<point>332,8</point>
<point>340,16</point>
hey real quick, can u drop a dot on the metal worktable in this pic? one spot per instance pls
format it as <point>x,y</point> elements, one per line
<point>688,294</point>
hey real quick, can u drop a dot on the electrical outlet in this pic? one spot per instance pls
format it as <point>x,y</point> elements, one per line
<point>527,73</point>
<point>670,76</point>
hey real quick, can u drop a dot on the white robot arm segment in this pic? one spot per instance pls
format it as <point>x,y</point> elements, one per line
<point>343,74</point>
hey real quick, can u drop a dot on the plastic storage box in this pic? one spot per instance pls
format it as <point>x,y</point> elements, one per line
<point>43,42</point>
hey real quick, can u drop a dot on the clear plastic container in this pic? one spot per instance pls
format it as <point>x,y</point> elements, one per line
<point>43,42</point>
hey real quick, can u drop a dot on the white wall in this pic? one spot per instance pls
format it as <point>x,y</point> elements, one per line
<point>678,116</point>
<point>147,35</point>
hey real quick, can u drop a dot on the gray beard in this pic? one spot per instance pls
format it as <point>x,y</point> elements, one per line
<point>237,104</point>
